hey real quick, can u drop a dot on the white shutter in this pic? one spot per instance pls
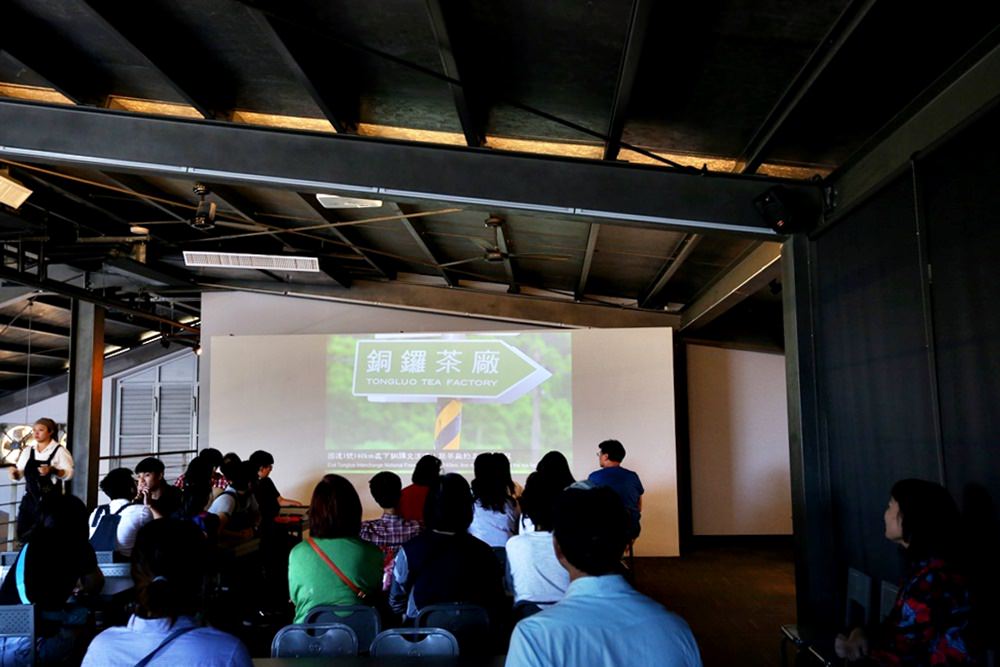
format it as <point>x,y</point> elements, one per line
<point>136,417</point>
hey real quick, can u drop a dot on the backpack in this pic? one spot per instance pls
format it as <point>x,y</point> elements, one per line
<point>106,532</point>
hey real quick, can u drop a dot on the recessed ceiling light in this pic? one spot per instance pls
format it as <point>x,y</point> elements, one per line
<point>138,229</point>
<point>336,201</point>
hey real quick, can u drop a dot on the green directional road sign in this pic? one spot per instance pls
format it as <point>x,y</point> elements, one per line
<point>476,371</point>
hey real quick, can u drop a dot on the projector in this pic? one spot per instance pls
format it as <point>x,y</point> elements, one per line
<point>12,193</point>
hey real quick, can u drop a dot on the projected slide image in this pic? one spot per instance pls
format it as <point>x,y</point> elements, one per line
<point>393,398</point>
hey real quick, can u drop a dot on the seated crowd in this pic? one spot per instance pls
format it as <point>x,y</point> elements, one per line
<point>544,562</point>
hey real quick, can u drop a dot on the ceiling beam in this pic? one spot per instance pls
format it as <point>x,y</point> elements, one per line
<point>467,115</point>
<point>588,258</point>
<point>681,252</point>
<point>45,52</point>
<point>751,274</point>
<point>328,91</point>
<point>66,305</point>
<point>467,302</point>
<point>631,55</point>
<point>21,368</point>
<point>190,84</point>
<point>61,353</point>
<point>756,150</point>
<point>349,238</point>
<point>609,192</point>
<point>415,228</point>
<point>504,247</point>
<point>960,94</point>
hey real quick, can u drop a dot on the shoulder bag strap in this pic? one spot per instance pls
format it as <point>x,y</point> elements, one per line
<point>99,514</point>
<point>19,575</point>
<point>169,638</point>
<point>336,570</point>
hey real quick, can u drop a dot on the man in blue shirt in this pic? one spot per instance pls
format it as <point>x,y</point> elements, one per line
<point>624,482</point>
<point>601,620</point>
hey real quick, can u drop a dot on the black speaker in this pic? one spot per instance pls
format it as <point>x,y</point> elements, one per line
<point>784,211</point>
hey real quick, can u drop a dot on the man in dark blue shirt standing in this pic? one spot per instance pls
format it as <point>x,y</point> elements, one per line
<point>624,482</point>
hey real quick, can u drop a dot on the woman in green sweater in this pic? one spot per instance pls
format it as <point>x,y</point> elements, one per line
<point>333,566</point>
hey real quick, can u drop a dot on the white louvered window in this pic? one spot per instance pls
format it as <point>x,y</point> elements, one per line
<point>156,414</point>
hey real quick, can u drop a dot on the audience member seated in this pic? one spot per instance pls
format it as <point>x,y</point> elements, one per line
<point>445,563</point>
<point>121,514</point>
<point>623,481</point>
<point>333,566</point>
<point>929,623</point>
<point>555,466</point>
<point>236,507</point>
<point>168,567</point>
<point>268,498</point>
<point>389,531</point>
<point>414,496</point>
<point>496,514</point>
<point>56,565</point>
<point>536,573</point>
<point>601,620</point>
<point>162,499</point>
<point>197,497</point>
<point>212,458</point>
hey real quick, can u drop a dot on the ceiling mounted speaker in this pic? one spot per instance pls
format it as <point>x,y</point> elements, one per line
<point>785,211</point>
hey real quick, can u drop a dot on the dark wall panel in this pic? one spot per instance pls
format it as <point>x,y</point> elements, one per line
<point>872,371</point>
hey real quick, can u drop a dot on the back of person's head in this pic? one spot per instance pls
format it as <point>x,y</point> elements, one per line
<point>197,488</point>
<point>538,501</point>
<point>230,457</point>
<point>213,457</point>
<point>119,484</point>
<point>427,470</point>
<point>449,505</point>
<point>386,488</point>
<point>150,464</point>
<point>591,528</point>
<point>555,466</point>
<point>614,449</point>
<point>335,509</point>
<point>261,459</point>
<point>62,516</point>
<point>491,486</point>
<point>930,519</point>
<point>241,475</point>
<point>168,567</point>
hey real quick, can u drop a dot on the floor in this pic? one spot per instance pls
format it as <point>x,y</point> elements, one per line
<point>733,597</point>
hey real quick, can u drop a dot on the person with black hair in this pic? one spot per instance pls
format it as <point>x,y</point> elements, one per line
<point>44,466</point>
<point>169,568</point>
<point>445,563</point>
<point>623,481</point>
<point>162,499</point>
<point>414,497</point>
<point>601,620</point>
<point>55,565</point>
<point>556,468</point>
<point>213,459</point>
<point>333,566</point>
<point>389,531</point>
<point>535,572</point>
<point>124,516</point>
<point>268,498</point>
<point>197,496</point>
<point>236,507</point>
<point>496,514</point>
<point>929,622</point>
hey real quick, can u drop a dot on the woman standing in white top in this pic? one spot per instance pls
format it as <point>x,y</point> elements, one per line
<point>44,466</point>
<point>495,514</point>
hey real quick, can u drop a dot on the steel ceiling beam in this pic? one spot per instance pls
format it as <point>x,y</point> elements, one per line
<point>588,259</point>
<point>348,238</point>
<point>752,273</point>
<point>61,353</point>
<point>316,79</point>
<point>467,116</point>
<point>680,253</point>
<point>824,54</point>
<point>609,192</point>
<point>508,266</point>
<point>629,67</point>
<point>415,228</point>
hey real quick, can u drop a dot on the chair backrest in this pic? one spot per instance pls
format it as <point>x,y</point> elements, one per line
<point>859,598</point>
<point>17,635</point>
<point>105,556</point>
<point>321,640</point>
<point>887,600</point>
<point>364,620</point>
<point>7,558</point>
<point>469,623</point>
<point>415,642</point>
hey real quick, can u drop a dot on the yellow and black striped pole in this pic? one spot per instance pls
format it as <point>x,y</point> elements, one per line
<point>448,424</point>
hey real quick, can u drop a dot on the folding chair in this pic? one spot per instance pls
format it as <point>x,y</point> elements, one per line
<point>17,635</point>
<point>320,640</point>
<point>364,620</point>
<point>414,642</point>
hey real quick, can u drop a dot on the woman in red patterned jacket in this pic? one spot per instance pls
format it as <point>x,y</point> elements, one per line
<point>929,623</point>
